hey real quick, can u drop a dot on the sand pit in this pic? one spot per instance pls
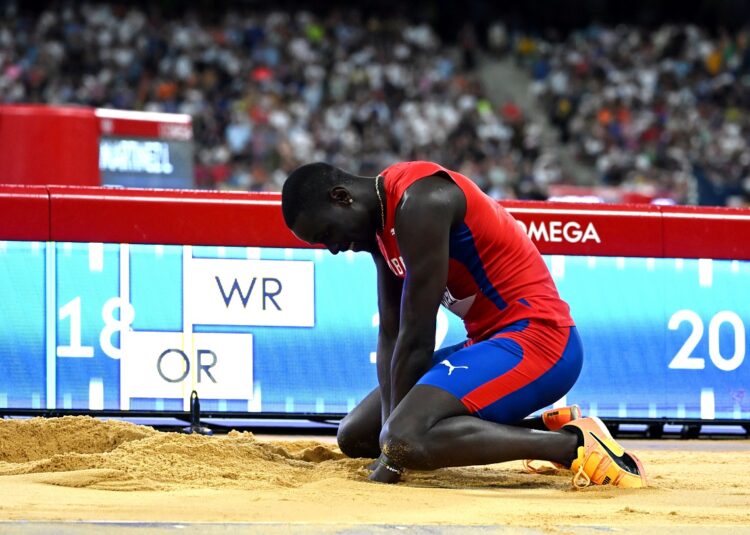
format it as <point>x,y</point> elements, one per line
<point>76,468</point>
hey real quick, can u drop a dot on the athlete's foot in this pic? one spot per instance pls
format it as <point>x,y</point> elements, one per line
<point>554,419</point>
<point>600,460</point>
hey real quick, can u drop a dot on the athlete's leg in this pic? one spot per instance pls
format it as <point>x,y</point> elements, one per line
<point>431,429</point>
<point>359,430</point>
<point>532,423</point>
<point>467,410</point>
<point>552,419</point>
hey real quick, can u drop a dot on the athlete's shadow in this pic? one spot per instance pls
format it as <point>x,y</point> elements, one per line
<point>484,477</point>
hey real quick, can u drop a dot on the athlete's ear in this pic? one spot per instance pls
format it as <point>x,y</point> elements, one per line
<point>341,195</point>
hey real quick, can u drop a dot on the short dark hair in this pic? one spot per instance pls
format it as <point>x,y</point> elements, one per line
<point>306,187</point>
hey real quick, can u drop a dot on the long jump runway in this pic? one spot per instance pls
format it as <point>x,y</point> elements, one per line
<point>81,475</point>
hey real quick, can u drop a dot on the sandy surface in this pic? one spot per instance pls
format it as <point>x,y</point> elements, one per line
<point>77,468</point>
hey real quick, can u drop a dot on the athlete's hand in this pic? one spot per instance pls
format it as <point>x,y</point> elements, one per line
<point>382,473</point>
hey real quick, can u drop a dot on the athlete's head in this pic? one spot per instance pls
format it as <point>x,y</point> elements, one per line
<point>323,204</point>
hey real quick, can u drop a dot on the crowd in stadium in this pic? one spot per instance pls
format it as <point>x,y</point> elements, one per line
<point>661,111</point>
<point>664,110</point>
<point>270,91</point>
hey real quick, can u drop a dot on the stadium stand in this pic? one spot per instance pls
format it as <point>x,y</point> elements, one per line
<point>270,90</point>
<point>660,111</point>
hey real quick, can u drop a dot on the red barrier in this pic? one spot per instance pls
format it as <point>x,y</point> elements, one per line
<point>24,213</point>
<point>586,229</point>
<point>88,214</point>
<point>168,217</point>
<point>38,142</point>
<point>714,232</point>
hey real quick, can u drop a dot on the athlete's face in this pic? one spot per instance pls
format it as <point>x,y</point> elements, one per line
<point>340,225</point>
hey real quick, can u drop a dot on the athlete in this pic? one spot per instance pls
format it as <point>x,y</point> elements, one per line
<point>436,238</point>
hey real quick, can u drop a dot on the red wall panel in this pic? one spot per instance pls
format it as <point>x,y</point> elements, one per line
<point>48,145</point>
<point>585,229</point>
<point>168,217</point>
<point>706,232</point>
<point>24,213</point>
<point>69,213</point>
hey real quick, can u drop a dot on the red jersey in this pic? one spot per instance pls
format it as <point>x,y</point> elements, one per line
<point>496,276</point>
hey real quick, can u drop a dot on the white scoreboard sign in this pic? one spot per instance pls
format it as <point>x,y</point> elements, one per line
<point>218,294</point>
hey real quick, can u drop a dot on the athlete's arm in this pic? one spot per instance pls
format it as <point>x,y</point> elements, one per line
<point>424,218</point>
<point>389,301</point>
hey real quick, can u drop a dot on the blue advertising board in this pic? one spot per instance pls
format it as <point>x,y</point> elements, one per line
<point>93,326</point>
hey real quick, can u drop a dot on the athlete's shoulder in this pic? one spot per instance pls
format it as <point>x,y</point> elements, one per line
<point>416,169</point>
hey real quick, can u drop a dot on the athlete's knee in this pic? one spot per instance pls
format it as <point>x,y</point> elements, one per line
<point>405,448</point>
<point>353,443</point>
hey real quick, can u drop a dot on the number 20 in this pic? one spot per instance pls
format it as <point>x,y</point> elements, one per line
<point>685,361</point>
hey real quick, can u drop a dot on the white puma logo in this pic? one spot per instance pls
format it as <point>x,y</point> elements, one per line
<point>451,367</point>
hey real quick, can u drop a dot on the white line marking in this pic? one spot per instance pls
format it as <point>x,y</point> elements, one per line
<point>558,266</point>
<point>650,264</point>
<point>735,266</point>
<point>125,273</point>
<point>620,262</point>
<point>288,254</point>
<point>679,263</point>
<point>96,257</point>
<point>96,394</point>
<point>581,212</point>
<point>254,404</point>
<point>253,253</point>
<point>562,211</point>
<point>708,404</point>
<point>124,298</point>
<point>373,357</point>
<point>50,300</point>
<point>732,217</point>
<point>183,201</point>
<point>181,118</point>
<point>188,338</point>
<point>591,262</point>
<point>159,250</point>
<point>705,272</point>
<point>3,246</point>
<point>221,251</point>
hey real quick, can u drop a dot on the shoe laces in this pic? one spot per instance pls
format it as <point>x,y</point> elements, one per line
<point>531,469</point>
<point>581,479</point>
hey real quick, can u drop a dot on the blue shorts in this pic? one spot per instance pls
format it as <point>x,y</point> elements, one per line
<point>522,368</point>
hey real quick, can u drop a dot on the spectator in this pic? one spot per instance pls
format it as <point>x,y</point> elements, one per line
<point>657,112</point>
